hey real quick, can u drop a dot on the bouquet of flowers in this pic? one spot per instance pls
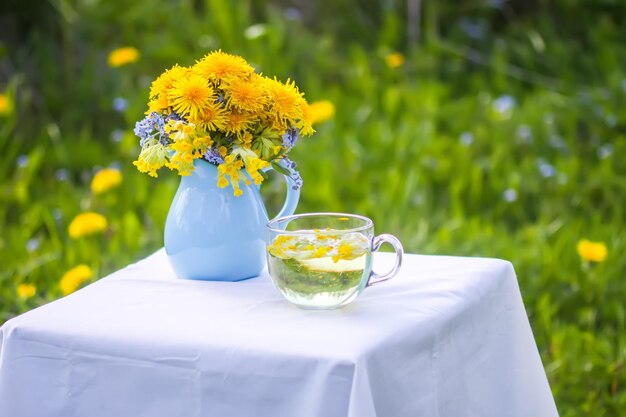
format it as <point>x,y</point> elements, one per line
<point>220,110</point>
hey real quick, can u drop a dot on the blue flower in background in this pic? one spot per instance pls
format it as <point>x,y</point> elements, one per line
<point>557,142</point>
<point>22,161</point>
<point>504,104</point>
<point>545,169</point>
<point>510,195</point>
<point>116,135</point>
<point>524,134</point>
<point>32,244</point>
<point>62,174</point>
<point>466,138</point>
<point>605,151</point>
<point>120,104</point>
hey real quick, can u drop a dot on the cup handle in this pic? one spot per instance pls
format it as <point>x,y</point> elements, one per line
<point>397,246</point>
<point>293,195</point>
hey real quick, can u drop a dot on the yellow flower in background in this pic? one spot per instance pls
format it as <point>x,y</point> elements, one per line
<point>321,111</point>
<point>105,179</point>
<point>394,60</point>
<point>5,104</point>
<point>592,251</point>
<point>87,223</point>
<point>72,279</point>
<point>25,291</point>
<point>123,56</point>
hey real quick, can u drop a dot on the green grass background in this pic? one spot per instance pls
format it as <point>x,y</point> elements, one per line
<point>503,135</point>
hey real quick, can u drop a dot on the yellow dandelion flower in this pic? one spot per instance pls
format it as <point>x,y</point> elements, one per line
<point>190,95</point>
<point>87,223</point>
<point>219,65</point>
<point>123,56</point>
<point>164,83</point>
<point>321,111</point>
<point>5,104</point>
<point>306,123</point>
<point>72,279</point>
<point>285,99</point>
<point>237,122</point>
<point>212,118</point>
<point>105,179</point>
<point>246,94</point>
<point>158,104</point>
<point>592,251</point>
<point>25,291</point>
<point>394,60</point>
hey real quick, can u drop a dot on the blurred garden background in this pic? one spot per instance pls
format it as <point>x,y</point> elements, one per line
<point>475,128</point>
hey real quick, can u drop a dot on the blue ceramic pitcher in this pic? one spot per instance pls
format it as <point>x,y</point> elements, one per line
<point>212,235</point>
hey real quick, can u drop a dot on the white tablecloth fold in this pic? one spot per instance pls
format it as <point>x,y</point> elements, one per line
<point>448,337</point>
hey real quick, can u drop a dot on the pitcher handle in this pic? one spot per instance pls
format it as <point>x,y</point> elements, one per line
<point>293,195</point>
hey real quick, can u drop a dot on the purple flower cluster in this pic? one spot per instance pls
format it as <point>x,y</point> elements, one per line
<point>295,175</point>
<point>146,128</point>
<point>214,156</point>
<point>290,137</point>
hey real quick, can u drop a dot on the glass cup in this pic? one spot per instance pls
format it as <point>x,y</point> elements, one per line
<point>324,260</point>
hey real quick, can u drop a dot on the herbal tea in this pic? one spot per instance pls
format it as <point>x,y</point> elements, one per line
<point>319,268</point>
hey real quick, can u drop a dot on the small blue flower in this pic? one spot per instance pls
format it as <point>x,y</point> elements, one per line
<point>504,104</point>
<point>120,104</point>
<point>545,169</point>
<point>557,142</point>
<point>524,134</point>
<point>32,244</point>
<point>295,175</point>
<point>214,156</point>
<point>22,161</point>
<point>290,137</point>
<point>116,135</point>
<point>62,174</point>
<point>509,195</point>
<point>149,126</point>
<point>605,151</point>
<point>466,138</point>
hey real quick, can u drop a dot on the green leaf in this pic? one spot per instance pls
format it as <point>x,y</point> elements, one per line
<point>281,169</point>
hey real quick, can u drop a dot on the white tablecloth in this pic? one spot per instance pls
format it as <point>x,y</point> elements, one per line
<point>446,337</point>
